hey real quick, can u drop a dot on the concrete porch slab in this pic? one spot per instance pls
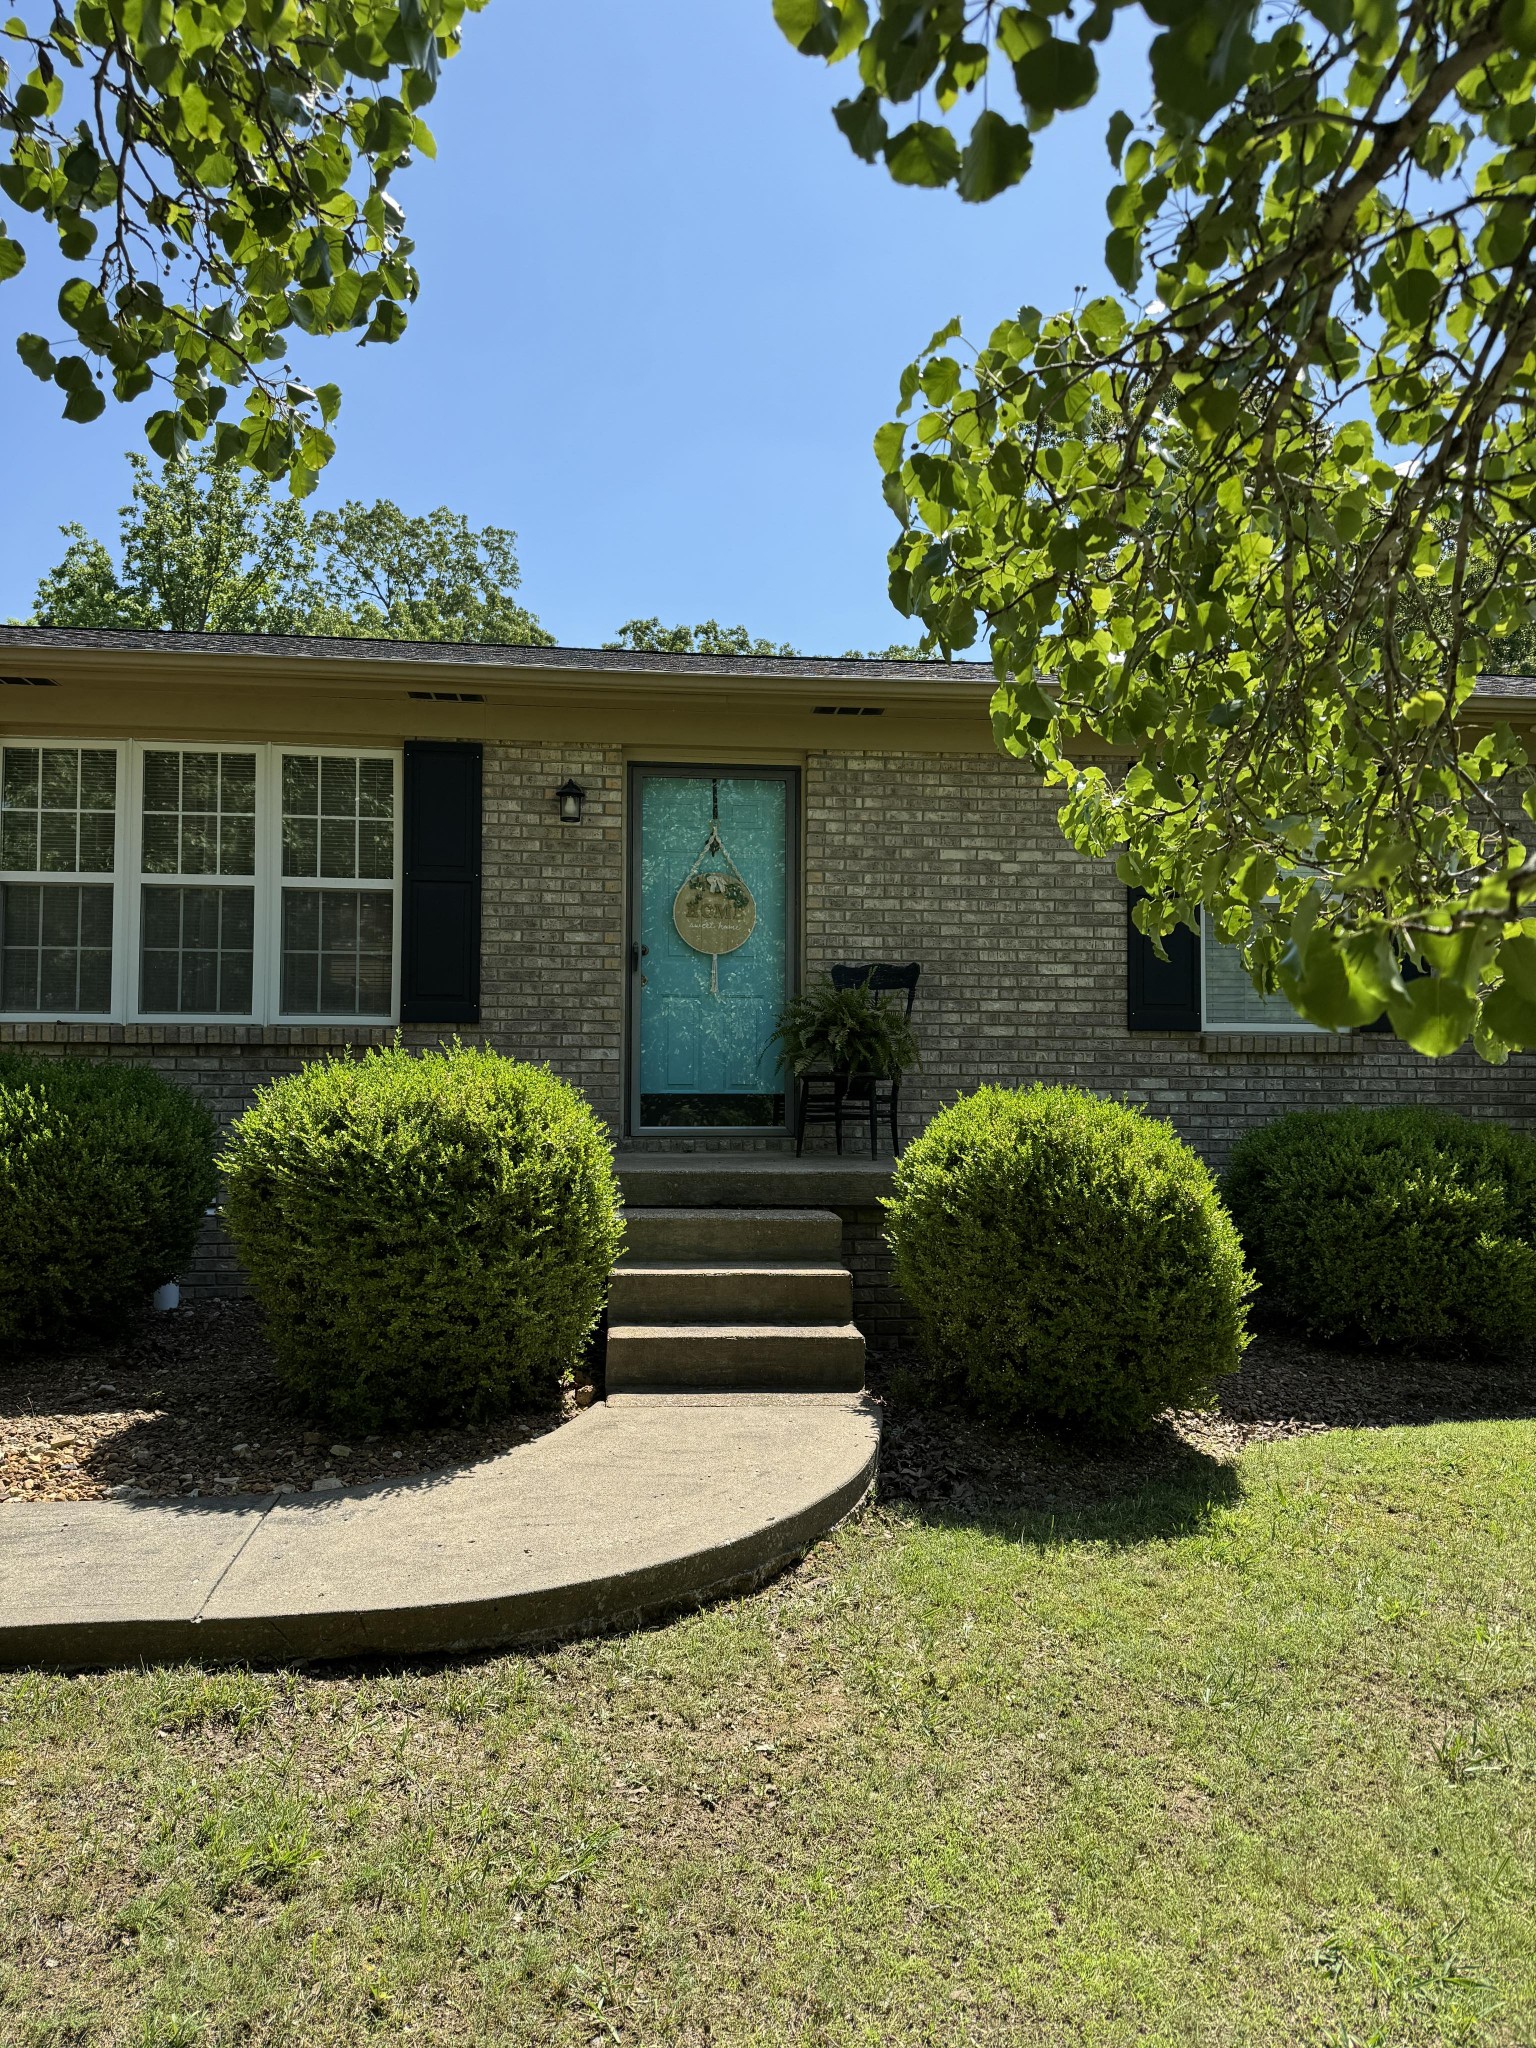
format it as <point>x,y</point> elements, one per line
<point>636,1508</point>
<point>750,1180</point>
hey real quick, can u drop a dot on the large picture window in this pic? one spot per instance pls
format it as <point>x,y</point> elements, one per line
<point>148,881</point>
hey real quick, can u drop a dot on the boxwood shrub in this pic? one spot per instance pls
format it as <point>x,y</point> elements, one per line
<point>1067,1257</point>
<point>105,1172</point>
<point>429,1235</point>
<point>1391,1227</point>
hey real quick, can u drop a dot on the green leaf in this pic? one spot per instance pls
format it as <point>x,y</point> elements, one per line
<point>1340,984</point>
<point>1120,126</point>
<point>85,404</point>
<point>12,258</point>
<point>1415,290</point>
<point>890,441</point>
<point>1517,24</point>
<point>863,123</point>
<point>37,356</point>
<point>922,154</point>
<point>164,433</point>
<point>1511,1017</point>
<point>996,156</point>
<point>1510,1011</point>
<point>1104,319</point>
<point>1434,1016</point>
<point>819,30</point>
<point>1122,258</point>
<point>1056,75</point>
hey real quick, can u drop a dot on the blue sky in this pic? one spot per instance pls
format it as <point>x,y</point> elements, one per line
<point>663,311</point>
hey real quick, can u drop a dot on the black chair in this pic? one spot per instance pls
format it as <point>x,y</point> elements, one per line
<point>825,1096</point>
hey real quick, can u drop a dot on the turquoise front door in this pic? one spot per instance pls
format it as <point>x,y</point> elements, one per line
<point>711,909</point>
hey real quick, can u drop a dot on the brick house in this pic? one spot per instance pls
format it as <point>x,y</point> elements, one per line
<point>229,855</point>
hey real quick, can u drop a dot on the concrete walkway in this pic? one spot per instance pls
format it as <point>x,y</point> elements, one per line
<point>643,1504</point>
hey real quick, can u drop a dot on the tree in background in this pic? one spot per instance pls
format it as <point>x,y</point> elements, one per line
<point>384,575</point>
<point>1258,521</point>
<point>221,172</point>
<point>652,637</point>
<point>203,549</point>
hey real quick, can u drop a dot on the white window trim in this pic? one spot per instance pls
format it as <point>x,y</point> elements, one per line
<point>127,881</point>
<point>1270,1028</point>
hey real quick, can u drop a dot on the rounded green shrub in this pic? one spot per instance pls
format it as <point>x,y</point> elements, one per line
<point>430,1235</point>
<point>1391,1227</point>
<point>1067,1257</point>
<point>105,1173</point>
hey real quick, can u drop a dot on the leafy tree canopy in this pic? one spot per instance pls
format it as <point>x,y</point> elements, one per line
<point>650,636</point>
<point>203,549</point>
<point>384,575</point>
<point>220,171</point>
<point>1257,522</point>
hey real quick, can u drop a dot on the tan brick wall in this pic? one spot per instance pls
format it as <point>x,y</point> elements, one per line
<point>952,861</point>
<point>552,965</point>
<point>552,951</point>
<point>957,862</point>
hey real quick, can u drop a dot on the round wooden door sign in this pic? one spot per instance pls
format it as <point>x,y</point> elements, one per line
<point>714,912</point>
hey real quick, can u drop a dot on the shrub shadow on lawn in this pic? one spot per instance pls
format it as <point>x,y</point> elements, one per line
<point>1042,1483</point>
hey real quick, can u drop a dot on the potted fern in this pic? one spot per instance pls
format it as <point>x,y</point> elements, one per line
<point>846,1032</point>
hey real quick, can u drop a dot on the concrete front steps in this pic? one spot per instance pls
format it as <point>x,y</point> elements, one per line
<point>733,1300</point>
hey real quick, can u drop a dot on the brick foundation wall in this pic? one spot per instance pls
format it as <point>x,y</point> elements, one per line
<point>878,1309</point>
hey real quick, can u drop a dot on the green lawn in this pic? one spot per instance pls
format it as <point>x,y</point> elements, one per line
<point>1247,1756</point>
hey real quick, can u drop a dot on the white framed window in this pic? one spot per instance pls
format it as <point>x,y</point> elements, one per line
<point>61,805</point>
<point>156,881</point>
<point>339,892</point>
<point>1229,1000</point>
<point>195,845</point>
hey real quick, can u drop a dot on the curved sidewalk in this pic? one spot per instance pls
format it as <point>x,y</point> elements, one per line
<point>643,1504</point>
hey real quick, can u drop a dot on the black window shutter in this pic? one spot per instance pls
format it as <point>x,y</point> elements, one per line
<point>1161,995</point>
<point>440,910</point>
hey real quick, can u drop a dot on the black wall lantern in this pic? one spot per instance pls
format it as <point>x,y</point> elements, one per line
<point>570,796</point>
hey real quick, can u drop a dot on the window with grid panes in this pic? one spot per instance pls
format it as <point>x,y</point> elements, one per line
<point>338,900</point>
<point>58,849</point>
<point>197,894</point>
<point>261,881</point>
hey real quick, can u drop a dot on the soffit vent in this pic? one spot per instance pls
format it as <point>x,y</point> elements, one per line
<point>850,710</point>
<point>446,696</point>
<point>29,682</point>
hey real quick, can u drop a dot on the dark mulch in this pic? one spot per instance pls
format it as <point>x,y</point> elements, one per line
<point>934,1454</point>
<point>187,1404</point>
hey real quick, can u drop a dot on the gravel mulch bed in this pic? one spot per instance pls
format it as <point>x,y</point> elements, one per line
<point>186,1405</point>
<point>935,1455</point>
